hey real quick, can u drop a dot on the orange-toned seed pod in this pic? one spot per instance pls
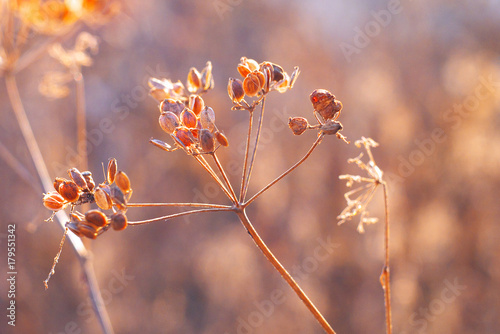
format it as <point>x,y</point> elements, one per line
<point>78,178</point>
<point>89,180</point>
<point>188,118</point>
<point>172,105</point>
<point>298,125</point>
<point>96,218</point>
<point>243,69</point>
<point>207,79</point>
<point>118,221</point>
<point>193,80</point>
<point>74,227</point>
<point>168,122</point>
<point>178,88</point>
<point>53,201</point>
<point>184,136</point>
<point>87,231</point>
<point>196,104</point>
<point>58,181</point>
<point>207,141</point>
<point>253,83</point>
<point>207,118</point>
<point>102,197</point>
<point>325,103</point>
<point>112,167</point>
<point>158,94</point>
<point>123,182</point>
<point>221,138</point>
<point>235,90</point>
<point>283,85</point>
<point>69,190</point>
<point>118,198</point>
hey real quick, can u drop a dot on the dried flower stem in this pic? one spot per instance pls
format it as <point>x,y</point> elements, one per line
<point>175,215</point>
<point>199,205</point>
<point>41,168</point>
<point>201,160</point>
<point>247,149</point>
<point>81,120</point>
<point>224,176</point>
<point>284,273</point>
<point>385,276</point>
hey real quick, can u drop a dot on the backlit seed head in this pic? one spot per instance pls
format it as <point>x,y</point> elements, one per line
<point>184,136</point>
<point>96,218</point>
<point>246,66</point>
<point>193,80</point>
<point>87,231</point>
<point>235,90</point>
<point>158,94</point>
<point>58,181</point>
<point>196,104</point>
<point>118,221</point>
<point>172,105</point>
<point>78,178</point>
<point>74,227</point>
<point>253,83</point>
<point>267,69</point>
<point>160,144</point>
<point>102,197</point>
<point>89,180</point>
<point>118,198</point>
<point>188,118</point>
<point>168,121</point>
<point>53,201</point>
<point>221,138</point>
<point>123,182</point>
<point>207,141</point>
<point>69,190</point>
<point>325,103</point>
<point>207,79</point>
<point>298,125</point>
<point>112,167</point>
<point>207,119</point>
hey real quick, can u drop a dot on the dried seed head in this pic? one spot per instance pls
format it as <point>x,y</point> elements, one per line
<point>53,201</point>
<point>112,167</point>
<point>160,144</point>
<point>253,83</point>
<point>178,88</point>
<point>158,94</point>
<point>87,231</point>
<point>221,138</point>
<point>207,79</point>
<point>96,218</point>
<point>69,190</point>
<point>89,180</point>
<point>172,105</point>
<point>331,127</point>
<point>118,198</point>
<point>235,90</point>
<point>123,182</point>
<point>207,142</point>
<point>78,178</point>
<point>58,181</point>
<point>325,103</point>
<point>184,136</point>
<point>188,118</point>
<point>118,221</point>
<point>298,125</point>
<point>102,197</point>
<point>168,121</point>
<point>196,104</point>
<point>193,80</point>
<point>74,227</point>
<point>246,66</point>
<point>207,119</point>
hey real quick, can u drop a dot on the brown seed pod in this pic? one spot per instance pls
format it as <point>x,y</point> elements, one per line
<point>193,80</point>
<point>298,125</point>
<point>87,231</point>
<point>112,167</point>
<point>325,103</point>
<point>235,90</point>
<point>221,138</point>
<point>207,119</point>
<point>207,79</point>
<point>89,180</point>
<point>188,118</point>
<point>69,190</point>
<point>246,66</point>
<point>331,127</point>
<point>58,181</point>
<point>96,218</point>
<point>160,144</point>
<point>118,198</point>
<point>53,201</point>
<point>172,105</point>
<point>253,83</point>
<point>102,197</point>
<point>74,227</point>
<point>196,104</point>
<point>168,121</point>
<point>123,182</point>
<point>184,136</point>
<point>278,73</point>
<point>118,221</point>
<point>207,141</point>
<point>78,178</point>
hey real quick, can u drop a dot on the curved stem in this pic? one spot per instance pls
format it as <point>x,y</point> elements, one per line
<point>385,279</point>
<point>297,164</point>
<point>284,273</point>
<point>175,215</point>
<point>199,205</point>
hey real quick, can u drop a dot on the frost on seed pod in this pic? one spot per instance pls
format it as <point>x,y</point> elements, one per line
<point>298,125</point>
<point>69,190</point>
<point>78,178</point>
<point>253,83</point>
<point>112,167</point>
<point>168,121</point>
<point>325,103</point>
<point>172,105</point>
<point>118,221</point>
<point>193,80</point>
<point>123,182</point>
<point>53,201</point>
<point>89,180</point>
<point>102,197</point>
<point>207,118</point>
<point>188,118</point>
<point>196,104</point>
<point>207,142</point>
<point>221,138</point>
<point>96,218</point>
<point>235,90</point>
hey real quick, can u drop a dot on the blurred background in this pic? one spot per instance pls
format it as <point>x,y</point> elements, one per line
<point>421,78</point>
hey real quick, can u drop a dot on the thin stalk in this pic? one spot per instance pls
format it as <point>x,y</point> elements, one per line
<point>81,121</point>
<point>80,250</point>
<point>175,215</point>
<point>209,169</point>
<point>199,205</point>
<point>283,272</point>
<point>385,278</point>
<point>245,161</point>
<point>291,169</point>
<point>223,173</point>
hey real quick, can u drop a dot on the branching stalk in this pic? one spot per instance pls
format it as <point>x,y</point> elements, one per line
<point>385,277</point>
<point>180,214</point>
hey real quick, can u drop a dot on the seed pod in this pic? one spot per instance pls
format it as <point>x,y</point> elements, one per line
<point>178,88</point>
<point>184,136</point>
<point>112,167</point>
<point>246,66</point>
<point>69,190</point>
<point>96,218</point>
<point>78,178</point>
<point>53,201</point>
<point>193,80</point>
<point>118,221</point>
<point>118,198</point>
<point>207,118</point>
<point>278,72</point>
<point>102,197</point>
<point>158,94</point>
<point>168,121</point>
<point>160,144</point>
<point>298,125</point>
<point>58,181</point>
<point>207,79</point>
<point>221,138</point>
<point>331,127</point>
<point>123,182</point>
<point>74,227</point>
<point>282,86</point>
<point>89,180</point>
<point>235,90</point>
<point>87,231</point>
<point>196,104</point>
<point>172,105</point>
<point>188,118</point>
<point>325,103</point>
<point>253,83</point>
<point>207,142</point>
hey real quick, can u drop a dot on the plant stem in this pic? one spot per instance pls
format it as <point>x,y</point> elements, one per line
<point>224,176</point>
<point>201,160</point>
<point>199,205</point>
<point>81,120</point>
<point>385,276</point>
<point>284,273</point>
<point>80,250</point>
<point>245,161</point>
<point>175,215</point>
<point>297,164</point>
